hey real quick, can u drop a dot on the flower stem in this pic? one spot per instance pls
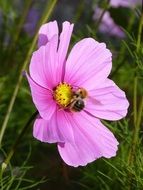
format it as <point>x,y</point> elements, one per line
<point>140,30</point>
<point>133,146</point>
<point>135,101</point>
<point>137,112</point>
<point>102,14</point>
<point>49,9</point>
<point>65,173</point>
<point>137,123</point>
<point>79,12</point>
<point>137,127</point>
<point>14,147</point>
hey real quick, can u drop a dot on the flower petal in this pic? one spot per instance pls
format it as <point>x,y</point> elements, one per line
<point>92,140</point>
<point>43,66</point>
<point>63,46</point>
<point>64,125</point>
<point>47,130</point>
<point>46,32</point>
<point>57,129</point>
<point>42,99</point>
<point>88,64</point>
<point>112,103</point>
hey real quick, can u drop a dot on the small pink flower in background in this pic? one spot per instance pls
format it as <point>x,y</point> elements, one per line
<point>107,25</point>
<point>72,93</point>
<point>125,3</point>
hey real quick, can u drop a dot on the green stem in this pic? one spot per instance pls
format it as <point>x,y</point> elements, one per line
<point>14,147</point>
<point>137,123</point>
<point>137,120</point>
<point>79,11</point>
<point>140,30</point>
<point>137,115</point>
<point>48,11</point>
<point>132,149</point>
<point>137,128</point>
<point>135,101</point>
<point>102,14</point>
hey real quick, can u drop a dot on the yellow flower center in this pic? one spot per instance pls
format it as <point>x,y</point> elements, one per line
<point>63,94</point>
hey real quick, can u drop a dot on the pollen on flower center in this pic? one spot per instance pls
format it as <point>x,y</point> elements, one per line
<point>63,94</point>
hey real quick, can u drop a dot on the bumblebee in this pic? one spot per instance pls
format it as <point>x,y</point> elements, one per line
<point>77,103</point>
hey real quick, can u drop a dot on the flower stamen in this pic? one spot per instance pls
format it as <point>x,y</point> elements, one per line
<point>63,94</point>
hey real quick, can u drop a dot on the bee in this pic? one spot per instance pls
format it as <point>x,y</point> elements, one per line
<point>77,103</point>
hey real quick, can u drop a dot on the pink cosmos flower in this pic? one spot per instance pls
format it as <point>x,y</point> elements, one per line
<point>107,25</point>
<point>125,3</point>
<point>72,93</point>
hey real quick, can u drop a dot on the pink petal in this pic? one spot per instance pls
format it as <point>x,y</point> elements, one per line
<point>46,32</point>
<point>42,99</point>
<point>46,130</point>
<point>92,140</point>
<point>88,64</point>
<point>108,26</point>
<point>64,125</point>
<point>112,103</point>
<point>43,66</point>
<point>63,46</point>
<point>57,129</point>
